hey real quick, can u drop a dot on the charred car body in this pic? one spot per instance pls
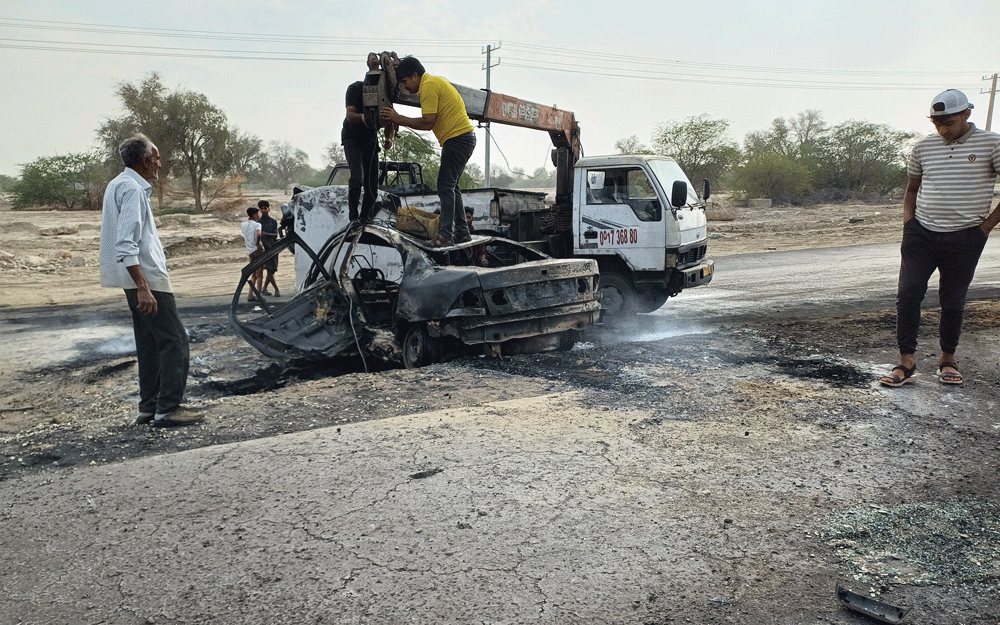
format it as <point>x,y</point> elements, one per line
<point>374,290</point>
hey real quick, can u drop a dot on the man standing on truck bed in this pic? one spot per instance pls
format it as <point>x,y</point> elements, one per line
<point>946,220</point>
<point>361,149</point>
<point>443,111</point>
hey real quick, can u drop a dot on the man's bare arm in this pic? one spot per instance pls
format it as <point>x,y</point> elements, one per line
<point>354,117</point>
<point>147,303</point>
<point>910,199</point>
<point>424,122</point>
<point>991,221</point>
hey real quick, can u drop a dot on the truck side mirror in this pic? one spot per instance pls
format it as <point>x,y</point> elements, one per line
<point>708,190</point>
<point>679,194</point>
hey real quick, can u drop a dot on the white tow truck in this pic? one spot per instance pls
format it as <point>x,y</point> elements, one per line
<point>638,216</point>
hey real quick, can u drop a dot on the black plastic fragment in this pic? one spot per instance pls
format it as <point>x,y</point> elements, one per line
<point>882,612</point>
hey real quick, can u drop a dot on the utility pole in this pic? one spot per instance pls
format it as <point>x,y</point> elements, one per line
<point>993,95</point>
<point>489,65</point>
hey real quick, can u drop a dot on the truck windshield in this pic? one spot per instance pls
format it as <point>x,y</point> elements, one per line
<point>669,171</point>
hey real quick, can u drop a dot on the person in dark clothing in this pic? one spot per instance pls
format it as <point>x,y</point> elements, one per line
<point>478,251</point>
<point>269,238</point>
<point>360,143</point>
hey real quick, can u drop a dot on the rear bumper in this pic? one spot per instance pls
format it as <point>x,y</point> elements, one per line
<point>484,329</point>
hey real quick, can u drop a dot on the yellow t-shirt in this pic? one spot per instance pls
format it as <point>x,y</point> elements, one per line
<point>437,95</point>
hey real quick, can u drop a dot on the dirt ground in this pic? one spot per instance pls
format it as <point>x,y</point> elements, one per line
<point>816,430</point>
<point>49,260</point>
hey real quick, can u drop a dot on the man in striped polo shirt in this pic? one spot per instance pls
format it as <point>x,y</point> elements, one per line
<point>946,220</point>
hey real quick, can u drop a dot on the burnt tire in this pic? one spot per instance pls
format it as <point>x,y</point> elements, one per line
<point>567,340</point>
<point>618,296</point>
<point>419,349</point>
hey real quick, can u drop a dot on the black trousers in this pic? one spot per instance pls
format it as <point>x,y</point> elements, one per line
<point>161,347</point>
<point>455,153</point>
<point>955,256</point>
<point>362,159</point>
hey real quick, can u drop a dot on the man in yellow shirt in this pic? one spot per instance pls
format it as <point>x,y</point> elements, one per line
<point>443,111</point>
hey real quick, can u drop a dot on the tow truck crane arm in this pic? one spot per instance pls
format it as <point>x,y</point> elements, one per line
<point>381,89</point>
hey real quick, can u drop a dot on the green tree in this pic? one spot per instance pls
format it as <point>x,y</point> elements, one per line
<point>631,145</point>
<point>700,145</point>
<point>773,175</point>
<point>500,177</point>
<point>190,132</point>
<point>776,140</point>
<point>862,157</point>
<point>287,163</point>
<point>70,182</point>
<point>145,106</point>
<point>6,182</point>
<point>313,177</point>
<point>201,135</point>
<point>333,153</point>
<point>245,156</point>
<point>409,146</point>
<point>808,126</point>
<point>473,176</point>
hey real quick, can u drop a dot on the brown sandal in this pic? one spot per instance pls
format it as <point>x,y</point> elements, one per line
<point>897,381</point>
<point>440,241</point>
<point>949,377</point>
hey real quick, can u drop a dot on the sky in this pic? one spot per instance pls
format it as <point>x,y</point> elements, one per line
<point>279,68</point>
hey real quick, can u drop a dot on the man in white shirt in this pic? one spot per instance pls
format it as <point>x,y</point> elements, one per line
<point>946,221</point>
<point>255,248</point>
<point>132,259</point>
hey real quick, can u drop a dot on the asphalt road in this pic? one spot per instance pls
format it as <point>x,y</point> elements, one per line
<point>801,284</point>
<point>814,283</point>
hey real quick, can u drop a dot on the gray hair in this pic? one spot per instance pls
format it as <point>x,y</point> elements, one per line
<point>134,149</point>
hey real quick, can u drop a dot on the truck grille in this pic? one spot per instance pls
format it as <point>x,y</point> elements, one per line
<point>692,256</point>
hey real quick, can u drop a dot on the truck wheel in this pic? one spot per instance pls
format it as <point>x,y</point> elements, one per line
<point>649,302</point>
<point>419,348</point>
<point>618,297</point>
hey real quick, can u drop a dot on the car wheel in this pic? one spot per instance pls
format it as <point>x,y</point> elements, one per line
<point>418,347</point>
<point>618,297</point>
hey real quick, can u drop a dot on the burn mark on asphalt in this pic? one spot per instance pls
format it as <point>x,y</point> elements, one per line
<point>277,376</point>
<point>837,373</point>
<point>425,474</point>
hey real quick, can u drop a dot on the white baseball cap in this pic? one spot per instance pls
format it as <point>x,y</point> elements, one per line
<point>949,102</point>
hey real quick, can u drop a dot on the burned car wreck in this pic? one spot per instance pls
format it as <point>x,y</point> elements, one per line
<point>373,290</point>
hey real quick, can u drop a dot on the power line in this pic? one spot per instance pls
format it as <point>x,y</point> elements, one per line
<point>106,29</point>
<point>578,55</point>
<point>533,57</point>
<point>728,81</point>
<point>147,50</point>
<point>626,64</point>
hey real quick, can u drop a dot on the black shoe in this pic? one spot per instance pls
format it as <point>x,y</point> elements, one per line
<point>181,416</point>
<point>144,417</point>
